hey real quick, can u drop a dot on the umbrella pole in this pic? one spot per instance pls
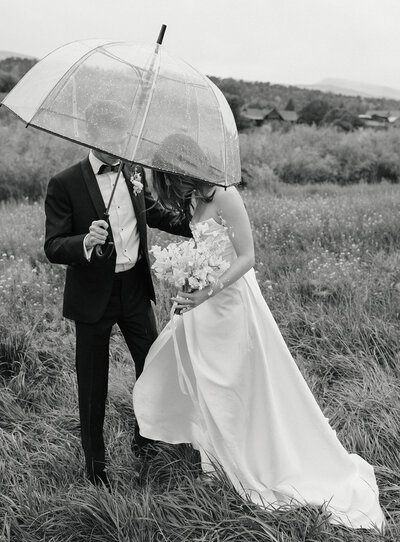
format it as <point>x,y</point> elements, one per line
<point>104,252</point>
<point>153,71</point>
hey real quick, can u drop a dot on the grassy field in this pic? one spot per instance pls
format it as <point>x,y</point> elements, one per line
<point>328,265</point>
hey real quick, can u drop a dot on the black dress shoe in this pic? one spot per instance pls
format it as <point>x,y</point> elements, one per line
<point>99,479</point>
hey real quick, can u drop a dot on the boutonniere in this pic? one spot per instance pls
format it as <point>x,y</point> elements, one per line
<point>136,180</point>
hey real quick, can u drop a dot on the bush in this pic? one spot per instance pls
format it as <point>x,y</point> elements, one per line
<point>298,155</point>
<point>29,158</point>
<point>342,119</point>
<point>307,154</point>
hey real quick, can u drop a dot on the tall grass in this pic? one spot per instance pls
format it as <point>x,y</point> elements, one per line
<point>328,265</point>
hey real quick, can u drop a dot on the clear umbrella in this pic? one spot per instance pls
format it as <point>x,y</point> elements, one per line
<point>157,95</point>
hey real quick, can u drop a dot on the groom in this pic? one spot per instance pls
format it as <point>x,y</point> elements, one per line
<point>102,292</point>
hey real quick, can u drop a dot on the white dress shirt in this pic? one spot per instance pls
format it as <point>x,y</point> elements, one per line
<point>122,217</point>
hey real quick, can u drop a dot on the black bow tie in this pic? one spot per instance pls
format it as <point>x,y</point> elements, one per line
<point>105,168</point>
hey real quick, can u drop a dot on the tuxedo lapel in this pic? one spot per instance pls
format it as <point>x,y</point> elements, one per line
<point>93,187</point>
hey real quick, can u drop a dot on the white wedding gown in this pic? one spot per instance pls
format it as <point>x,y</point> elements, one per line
<point>230,387</point>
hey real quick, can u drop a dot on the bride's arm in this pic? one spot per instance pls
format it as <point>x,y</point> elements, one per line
<point>233,212</point>
<point>231,209</point>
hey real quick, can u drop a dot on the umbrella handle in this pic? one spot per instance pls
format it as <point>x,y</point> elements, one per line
<point>104,252</point>
<point>161,34</point>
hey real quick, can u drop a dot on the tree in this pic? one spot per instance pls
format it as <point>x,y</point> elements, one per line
<point>17,66</point>
<point>342,119</point>
<point>314,112</point>
<point>263,95</point>
<point>7,81</point>
<point>236,103</point>
<point>11,71</point>
<point>290,105</point>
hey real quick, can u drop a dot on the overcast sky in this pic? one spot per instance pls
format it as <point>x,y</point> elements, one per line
<point>281,41</point>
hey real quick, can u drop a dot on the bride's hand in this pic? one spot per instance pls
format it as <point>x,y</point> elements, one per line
<point>188,300</point>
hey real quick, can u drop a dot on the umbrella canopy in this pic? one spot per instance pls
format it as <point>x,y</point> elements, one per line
<point>133,101</point>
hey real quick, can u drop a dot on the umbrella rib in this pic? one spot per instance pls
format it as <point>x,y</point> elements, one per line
<point>64,79</point>
<point>67,74</point>
<point>193,84</point>
<point>199,124</point>
<point>65,115</point>
<point>119,59</point>
<point>36,66</point>
<point>224,134</point>
<point>142,70</point>
<point>142,125</point>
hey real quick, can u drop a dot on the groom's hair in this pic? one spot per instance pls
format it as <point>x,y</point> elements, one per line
<point>103,114</point>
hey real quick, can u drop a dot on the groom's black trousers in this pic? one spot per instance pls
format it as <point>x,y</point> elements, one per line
<point>129,307</point>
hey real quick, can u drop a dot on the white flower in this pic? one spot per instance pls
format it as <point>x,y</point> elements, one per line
<point>136,180</point>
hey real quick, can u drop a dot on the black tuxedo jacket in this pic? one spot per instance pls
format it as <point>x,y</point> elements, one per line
<point>72,202</point>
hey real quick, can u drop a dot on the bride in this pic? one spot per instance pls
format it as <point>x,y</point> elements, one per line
<point>221,377</point>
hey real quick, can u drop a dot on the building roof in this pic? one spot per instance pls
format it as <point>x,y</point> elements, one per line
<point>390,116</point>
<point>255,113</point>
<point>290,116</point>
<point>378,113</point>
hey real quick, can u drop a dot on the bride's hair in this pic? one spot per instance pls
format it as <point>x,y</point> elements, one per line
<point>176,192</point>
<point>182,155</point>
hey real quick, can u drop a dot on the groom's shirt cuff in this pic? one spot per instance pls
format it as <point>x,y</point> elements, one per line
<point>87,252</point>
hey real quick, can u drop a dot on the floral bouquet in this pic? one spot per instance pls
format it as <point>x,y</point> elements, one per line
<point>189,265</point>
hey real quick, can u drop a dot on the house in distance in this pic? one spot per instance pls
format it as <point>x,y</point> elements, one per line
<point>380,119</point>
<point>259,116</point>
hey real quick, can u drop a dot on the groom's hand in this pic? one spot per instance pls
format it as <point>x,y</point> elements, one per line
<point>97,234</point>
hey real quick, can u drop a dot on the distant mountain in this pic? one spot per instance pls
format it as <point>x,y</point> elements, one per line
<point>10,54</point>
<point>354,88</point>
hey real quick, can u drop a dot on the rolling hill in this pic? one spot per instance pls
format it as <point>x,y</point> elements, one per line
<point>355,88</point>
<point>13,54</point>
